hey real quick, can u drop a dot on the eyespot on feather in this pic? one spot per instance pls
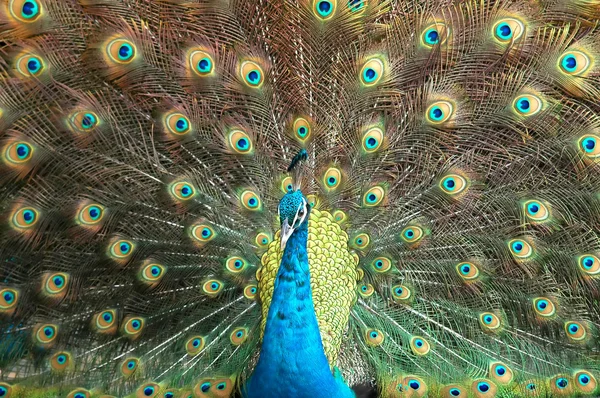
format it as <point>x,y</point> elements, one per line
<point>401,293</point>
<point>223,388</point>
<point>105,321</point>
<point>9,298</point>
<point>235,264</point>
<point>589,264</point>
<point>520,249</point>
<point>412,234</point>
<point>79,393</point>
<point>302,129</point>
<point>536,211</point>
<point>182,191</point>
<point>361,241</point>
<point>483,388</point>
<point>372,140</point>
<point>239,142</point>
<point>332,178</point>
<point>194,345</point>
<point>214,388</point>
<point>238,336</point>
<point>340,216</point>
<point>54,285</point>
<point>252,74</point>
<point>151,273</point>
<point>25,11</point>
<point>201,63</point>
<point>561,385</point>
<point>508,30</point>
<point>90,214</point>
<point>262,239</point>
<point>544,307</point>
<point>121,249</point>
<point>176,123</point>
<point>29,65</point>
<point>468,271</point>
<point>129,366</point>
<point>61,361</point>
<point>374,337</point>
<point>585,382</point>
<point>419,345</point>
<point>527,105</point>
<point>435,33</point>
<point>453,391</point>
<point>501,373</point>
<point>147,390</point>
<point>250,201</point>
<point>202,233</point>
<point>381,264</point>
<point>324,9</point>
<point>589,146</point>
<point>372,72</point>
<point>212,287</point>
<point>24,218</point>
<point>6,389</point>
<point>120,51</point>
<point>366,290</point>
<point>286,185</point>
<point>413,386</point>
<point>373,197</point>
<point>45,335</point>
<point>171,394</point>
<point>203,388</point>
<point>489,322</point>
<point>84,121</point>
<point>575,63</point>
<point>575,331</point>
<point>250,292</point>
<point>453,184</point>
<point>133,326</point>
<point>17,153</point>
<point>313,201</point>
<point>439,112</point>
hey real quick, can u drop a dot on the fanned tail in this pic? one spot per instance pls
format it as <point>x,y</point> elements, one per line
<point>449,153</point>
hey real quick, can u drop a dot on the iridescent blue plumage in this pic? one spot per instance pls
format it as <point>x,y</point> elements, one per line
<point>292,360</point>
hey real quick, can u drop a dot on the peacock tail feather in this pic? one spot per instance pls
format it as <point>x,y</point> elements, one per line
<point>446,152</point>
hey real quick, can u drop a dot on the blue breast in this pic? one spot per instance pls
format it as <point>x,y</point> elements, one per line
<point>292,361</point>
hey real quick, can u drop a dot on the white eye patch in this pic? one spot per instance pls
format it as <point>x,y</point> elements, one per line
<point>300,214</point>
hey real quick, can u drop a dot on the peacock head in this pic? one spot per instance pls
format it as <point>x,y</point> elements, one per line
<point>293,214</point>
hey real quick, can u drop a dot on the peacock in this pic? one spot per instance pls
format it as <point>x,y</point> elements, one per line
<point>299,198</point>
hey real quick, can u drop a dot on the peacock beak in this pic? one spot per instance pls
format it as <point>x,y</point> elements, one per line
<point>286,232</point>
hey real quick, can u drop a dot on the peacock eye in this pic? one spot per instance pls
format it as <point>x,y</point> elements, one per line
<point>372,71</point>
<point>252,74</point>
<point>25,11</point>
<point>574,63</point>
<point>30,65</point>
<point>201,63</point>
<point>508,29</point>
<point>436,33</point>
<point>121,51</point>
<point>324,9</point>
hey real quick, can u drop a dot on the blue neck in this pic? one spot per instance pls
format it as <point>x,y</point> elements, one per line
<point>292,361</point>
